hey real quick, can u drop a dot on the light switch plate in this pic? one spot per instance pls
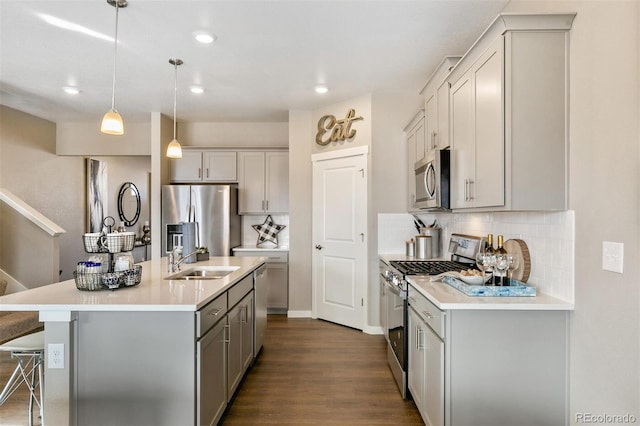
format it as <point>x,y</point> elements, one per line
<point>612,256</point>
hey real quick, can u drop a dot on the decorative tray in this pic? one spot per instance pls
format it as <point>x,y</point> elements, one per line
<point>515,289</point>
<point>92,281</point>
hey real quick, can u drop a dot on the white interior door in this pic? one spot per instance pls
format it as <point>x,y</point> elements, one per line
<point>339,227</point>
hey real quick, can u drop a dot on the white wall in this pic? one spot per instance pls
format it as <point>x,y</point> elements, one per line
<point>233,134</point>
<point>85,138</point>
<point>604,186</point>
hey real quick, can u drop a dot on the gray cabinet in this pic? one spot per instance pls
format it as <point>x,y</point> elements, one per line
<point>436,95</point>
<point>508,116</point>
<point>204,166</point>
<point>500,367</point>
<point>240,333</point>
<point>277,278</point>
<point>415,136</point>
<point>263,182</point>
<point>212,375</point>
<point>426,359</point>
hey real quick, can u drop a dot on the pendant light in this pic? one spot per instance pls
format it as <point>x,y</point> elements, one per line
<point>174,150</point>
<point>112,121</point>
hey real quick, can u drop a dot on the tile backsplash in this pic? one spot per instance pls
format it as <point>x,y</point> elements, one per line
<point>550,238</point>
<point>250,235</point>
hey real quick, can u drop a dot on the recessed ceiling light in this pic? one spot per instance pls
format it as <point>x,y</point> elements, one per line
<point>204,37</point>
<point>196,89</point>
<point>321,89</point>
<point>69,90</point>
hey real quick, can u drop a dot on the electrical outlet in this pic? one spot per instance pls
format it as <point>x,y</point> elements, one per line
<point>55,355</point>
<point>612,256</point>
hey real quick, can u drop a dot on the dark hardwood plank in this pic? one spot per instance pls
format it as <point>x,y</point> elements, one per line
<point>314,372</point>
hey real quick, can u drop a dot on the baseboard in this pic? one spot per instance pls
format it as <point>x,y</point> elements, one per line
<point>299,314</point>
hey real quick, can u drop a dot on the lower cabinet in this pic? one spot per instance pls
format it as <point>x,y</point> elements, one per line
<point>240,349</point>
<point>487,367</point>
<point>212,375</point>
<point>277,278</point>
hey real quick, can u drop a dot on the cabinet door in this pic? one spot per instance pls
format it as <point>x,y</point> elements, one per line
<point>212,375</point>
<point>277,182</point>
<point>421,145</point>
<point>278,287</point>
<point>462,142</point>
<point>431,124</point>
<point>433,396</point>
<point>416,371</point>
<point>220,166</point>
<point>247,331</point>
<point>488,186</point>
<point>234,350</point>
<point>442,137</point>
<point>188,168</point>
<point>251,173</point>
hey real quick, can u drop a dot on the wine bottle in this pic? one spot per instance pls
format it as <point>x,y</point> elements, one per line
<point>488,245</point>
<point>500,260</point>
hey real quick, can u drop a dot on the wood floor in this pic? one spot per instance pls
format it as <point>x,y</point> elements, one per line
<point>310,372</point>
<point>313,372</point>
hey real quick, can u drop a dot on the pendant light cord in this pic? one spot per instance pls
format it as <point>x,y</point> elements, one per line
<point>115,55</point>
<point>175,96</point>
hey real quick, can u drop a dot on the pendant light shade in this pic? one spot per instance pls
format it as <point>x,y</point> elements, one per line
<point>174,150</point>
<point>112,121</point>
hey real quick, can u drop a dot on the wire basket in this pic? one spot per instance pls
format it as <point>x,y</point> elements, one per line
<point>88,281</point>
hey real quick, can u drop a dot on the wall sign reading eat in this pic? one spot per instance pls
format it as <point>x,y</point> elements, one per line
<point>340,129</point>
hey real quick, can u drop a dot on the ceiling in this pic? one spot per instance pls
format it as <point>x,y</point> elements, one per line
<point>267,59</point>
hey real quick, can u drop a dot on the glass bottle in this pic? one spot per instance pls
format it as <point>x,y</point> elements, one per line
<point>489,258</point>
<point>488,245</point>
<point>501,263</point>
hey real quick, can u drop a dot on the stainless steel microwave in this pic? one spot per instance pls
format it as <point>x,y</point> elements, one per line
<point>432,180</point>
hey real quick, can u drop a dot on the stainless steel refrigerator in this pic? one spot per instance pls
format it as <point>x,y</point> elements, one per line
<point>213,207</point>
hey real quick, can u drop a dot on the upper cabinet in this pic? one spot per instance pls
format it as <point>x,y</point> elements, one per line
<point>508,110</point>
<point>436,105</point>
<point>204,166</point>
<point>415,134</point>
<point>263,182</point>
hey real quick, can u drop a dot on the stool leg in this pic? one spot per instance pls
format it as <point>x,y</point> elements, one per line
<point>41,384</point>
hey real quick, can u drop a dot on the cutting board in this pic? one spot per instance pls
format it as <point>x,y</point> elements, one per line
<point>519,247</point>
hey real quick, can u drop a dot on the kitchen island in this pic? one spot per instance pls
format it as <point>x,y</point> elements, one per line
<point>165,351</point>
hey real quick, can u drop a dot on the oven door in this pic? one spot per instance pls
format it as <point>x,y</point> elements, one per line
<point>396,323</point>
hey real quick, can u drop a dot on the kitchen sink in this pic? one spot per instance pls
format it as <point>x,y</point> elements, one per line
<point>203,273</point>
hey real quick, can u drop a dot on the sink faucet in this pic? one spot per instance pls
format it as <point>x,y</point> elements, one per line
<point>175,260</point>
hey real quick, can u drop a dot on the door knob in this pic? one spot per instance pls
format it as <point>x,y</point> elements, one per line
<point>319,247</point>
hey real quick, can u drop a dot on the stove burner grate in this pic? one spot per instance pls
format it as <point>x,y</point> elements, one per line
<point>428,267</point>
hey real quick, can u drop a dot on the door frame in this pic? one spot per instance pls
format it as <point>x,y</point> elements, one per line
<point>362,150</point>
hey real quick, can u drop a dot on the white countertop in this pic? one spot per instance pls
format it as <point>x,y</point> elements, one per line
<point>446,297</point>
<point>264,248</point>
<point>154,293</point>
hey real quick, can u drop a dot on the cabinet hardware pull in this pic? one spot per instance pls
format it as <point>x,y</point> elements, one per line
<point>427,314</point>
<point>319,247</point>
<point>227,334</point>
<point>419,346</point>
<point>207,173</point>
<point>471,193</point>
<point>199,173</point>
<point>214,313</point>
<point>267,203</point>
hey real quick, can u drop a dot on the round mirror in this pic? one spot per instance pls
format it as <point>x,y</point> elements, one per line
<point>129,204</point>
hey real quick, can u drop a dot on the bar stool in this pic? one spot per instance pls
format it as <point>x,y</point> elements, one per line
<point>29,351</point>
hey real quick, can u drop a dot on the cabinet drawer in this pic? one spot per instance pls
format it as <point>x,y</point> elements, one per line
<point>210,314</point>
<point>272,256</point>
<point>238,291</point>
<point>433,316</point>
